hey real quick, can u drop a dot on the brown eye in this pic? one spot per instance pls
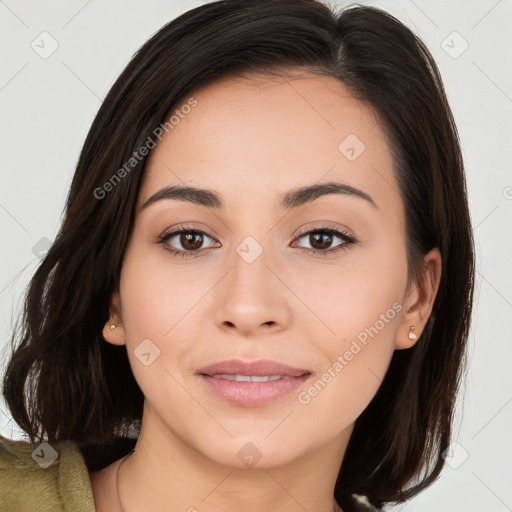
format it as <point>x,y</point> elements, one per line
<point>184,242</point>
<point>321,240</point>
<point>191,241</point>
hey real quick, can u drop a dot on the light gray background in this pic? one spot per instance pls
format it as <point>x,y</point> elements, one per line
<point>47,107</point>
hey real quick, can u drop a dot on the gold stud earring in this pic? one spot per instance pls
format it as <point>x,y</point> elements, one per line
<point>412,334</point>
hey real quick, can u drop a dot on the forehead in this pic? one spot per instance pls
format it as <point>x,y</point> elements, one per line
<point>255,134</point>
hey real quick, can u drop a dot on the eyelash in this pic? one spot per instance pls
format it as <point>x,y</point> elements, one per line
<point>347,240</point>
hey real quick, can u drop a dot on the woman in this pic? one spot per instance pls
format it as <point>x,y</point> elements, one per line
<point>266,260</point>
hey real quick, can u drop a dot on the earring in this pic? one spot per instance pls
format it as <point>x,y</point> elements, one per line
<point>112,326</point>
<point>412,334</point>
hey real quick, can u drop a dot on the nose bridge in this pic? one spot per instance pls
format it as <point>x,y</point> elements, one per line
<point>250,278</point>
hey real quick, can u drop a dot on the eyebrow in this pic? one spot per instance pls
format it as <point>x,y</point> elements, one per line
<point>292,199</point>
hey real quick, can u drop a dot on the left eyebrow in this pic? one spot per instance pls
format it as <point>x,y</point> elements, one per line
<point>299,196</point>
<point>292,199</point>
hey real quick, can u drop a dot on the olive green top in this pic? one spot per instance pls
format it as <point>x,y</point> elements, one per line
<point>43,478</point>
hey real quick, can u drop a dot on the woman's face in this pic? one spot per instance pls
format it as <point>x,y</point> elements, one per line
<point>266,281</point>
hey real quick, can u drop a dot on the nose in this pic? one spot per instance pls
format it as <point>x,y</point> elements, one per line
<point>252,300</point>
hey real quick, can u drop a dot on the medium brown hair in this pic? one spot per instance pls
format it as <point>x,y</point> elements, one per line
<point>64,382</point>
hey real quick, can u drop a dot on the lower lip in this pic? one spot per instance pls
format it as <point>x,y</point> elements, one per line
<point>252,394</point>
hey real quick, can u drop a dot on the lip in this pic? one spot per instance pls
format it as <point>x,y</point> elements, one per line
<point>252,394</point>
<point>261,367</point>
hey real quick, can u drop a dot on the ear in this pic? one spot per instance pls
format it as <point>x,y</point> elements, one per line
<point>420,301</point>
<point>113,331</point>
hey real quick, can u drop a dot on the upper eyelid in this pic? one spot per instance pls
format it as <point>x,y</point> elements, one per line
<point>327,227</point>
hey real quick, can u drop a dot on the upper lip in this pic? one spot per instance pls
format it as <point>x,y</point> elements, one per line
<point>261,367</point>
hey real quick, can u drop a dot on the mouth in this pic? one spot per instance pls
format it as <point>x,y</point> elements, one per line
<point>252,384</point>
<point>250,378</point>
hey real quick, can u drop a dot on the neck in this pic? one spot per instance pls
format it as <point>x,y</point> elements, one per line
<point>164,472</point>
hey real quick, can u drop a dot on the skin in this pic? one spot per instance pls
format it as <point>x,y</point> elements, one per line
<point>252,140</point>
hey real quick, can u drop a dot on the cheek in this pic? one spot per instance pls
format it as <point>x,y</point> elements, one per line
<point>362,290</point>
<point>162,307</point>
<point>361,306</point>
<point>354,372</point>
<point>157,295</point>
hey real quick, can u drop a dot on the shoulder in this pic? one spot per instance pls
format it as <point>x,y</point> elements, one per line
<point>43,477</point>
